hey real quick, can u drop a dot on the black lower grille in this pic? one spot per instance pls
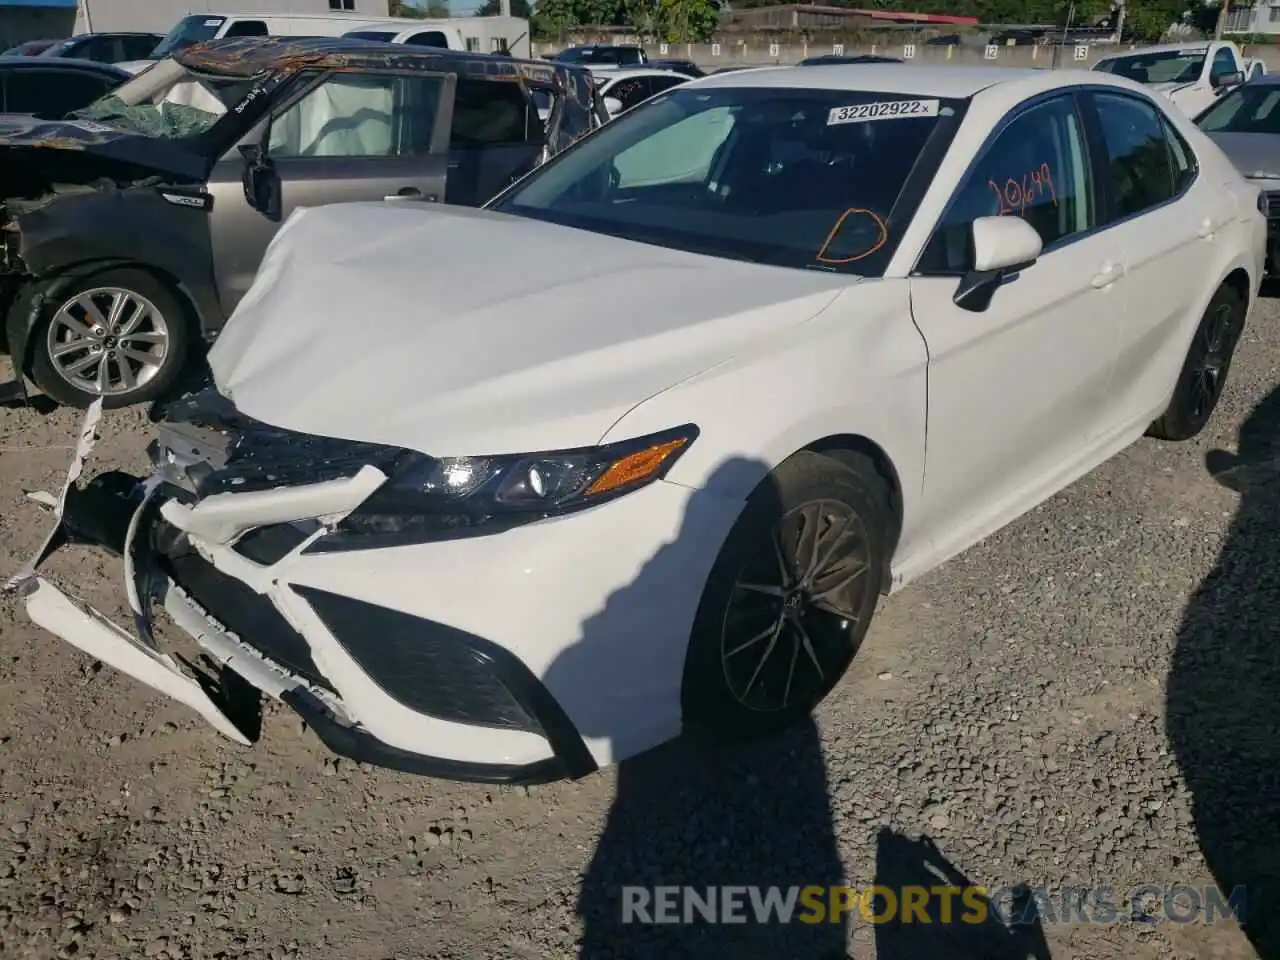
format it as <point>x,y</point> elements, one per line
<point>428,667</point>
<point>249,615</point>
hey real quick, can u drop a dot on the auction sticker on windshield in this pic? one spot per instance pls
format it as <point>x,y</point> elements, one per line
<point>883,110</point>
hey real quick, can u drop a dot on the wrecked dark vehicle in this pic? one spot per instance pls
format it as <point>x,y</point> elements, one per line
<point>132,228</point>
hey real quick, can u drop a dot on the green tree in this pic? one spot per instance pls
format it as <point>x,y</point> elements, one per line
<point>686,21</point>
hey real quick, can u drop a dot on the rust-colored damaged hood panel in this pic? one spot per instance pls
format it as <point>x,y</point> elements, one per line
<point>114,146</point>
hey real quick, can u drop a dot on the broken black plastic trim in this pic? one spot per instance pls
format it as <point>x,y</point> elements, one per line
<point>357,745</point>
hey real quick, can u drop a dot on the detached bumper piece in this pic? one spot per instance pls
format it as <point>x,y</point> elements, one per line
<point>428,668</point>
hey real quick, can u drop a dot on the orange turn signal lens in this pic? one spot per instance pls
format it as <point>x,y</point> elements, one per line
<point>635,467</point>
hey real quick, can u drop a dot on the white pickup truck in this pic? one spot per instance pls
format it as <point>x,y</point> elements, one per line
<point>1192,75</point>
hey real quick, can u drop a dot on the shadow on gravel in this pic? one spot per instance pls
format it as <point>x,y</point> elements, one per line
<point>37,404</point>
<point>1224,687</point>
<point>971,930</point>
<point>690,815</point>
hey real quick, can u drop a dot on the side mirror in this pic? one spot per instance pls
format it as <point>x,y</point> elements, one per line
<point>613,105</point>
<point>1002,246</point>
<point>261,181</point>
<point>1223,80</point>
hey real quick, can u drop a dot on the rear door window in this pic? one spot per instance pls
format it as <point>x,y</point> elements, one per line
<point>138,48</point>
<point>492,113</point>
<point>1139,167</point>
<point>247,28</point>
<point>429,38</point>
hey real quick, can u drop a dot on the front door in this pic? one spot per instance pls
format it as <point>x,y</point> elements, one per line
<point>354,136</point>
<point>1017,391</point>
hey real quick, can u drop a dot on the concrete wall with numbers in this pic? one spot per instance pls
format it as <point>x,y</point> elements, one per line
<point>713,55</point>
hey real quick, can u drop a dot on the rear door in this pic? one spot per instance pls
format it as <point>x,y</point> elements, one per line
<point>1168,219</point>
<point>496,137</point>
<point>349,137</point>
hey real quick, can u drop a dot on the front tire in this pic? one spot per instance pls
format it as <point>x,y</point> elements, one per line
<point>121,335</point>
<point>789,598</point>
<point>1204,372</point>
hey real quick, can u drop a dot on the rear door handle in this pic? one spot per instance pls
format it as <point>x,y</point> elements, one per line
<point>1108,275</point>
<point>410,193</point>
<point>1208,227</point>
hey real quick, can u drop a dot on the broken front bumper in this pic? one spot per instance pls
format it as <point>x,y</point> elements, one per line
<point>380,680</point>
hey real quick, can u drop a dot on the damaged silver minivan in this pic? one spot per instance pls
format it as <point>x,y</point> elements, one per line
<point>131,229</point>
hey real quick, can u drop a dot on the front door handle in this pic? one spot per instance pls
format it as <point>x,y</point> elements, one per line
<point>1109,274</point>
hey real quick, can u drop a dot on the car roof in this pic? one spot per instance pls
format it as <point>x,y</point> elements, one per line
<point>623,73</point>
<point>912,81</point>
<point>1198,47</point>
<point>917,81</point>
<point>249,56</point>
<point>62,63</point>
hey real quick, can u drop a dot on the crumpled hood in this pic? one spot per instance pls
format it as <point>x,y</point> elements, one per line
<point>161,157</point>
<point>456,331</point>
<point>1255,155</point>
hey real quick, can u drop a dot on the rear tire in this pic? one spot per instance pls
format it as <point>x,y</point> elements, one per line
<point>120,334</point>
<point>789,598</point>
<point>1204,372</point>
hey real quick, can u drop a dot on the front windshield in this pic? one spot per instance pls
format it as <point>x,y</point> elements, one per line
<point>1171,66</point>
<point>783,176</point>
<point>169,101</point>
<point>191,30</point>
<point>1247,109</point>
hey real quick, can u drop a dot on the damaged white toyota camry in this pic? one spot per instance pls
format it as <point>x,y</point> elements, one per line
<point>513,493</point>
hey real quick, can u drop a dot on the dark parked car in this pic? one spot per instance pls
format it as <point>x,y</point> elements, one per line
<point>52,88</point>
<point>832,58</point>
<point>105,47</point>
<point>29,49</point>
<point>602,55</point>
<point>686,67</point>
<point>172,186</point>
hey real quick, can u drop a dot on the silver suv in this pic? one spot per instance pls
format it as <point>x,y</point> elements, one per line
<point>128,244</point>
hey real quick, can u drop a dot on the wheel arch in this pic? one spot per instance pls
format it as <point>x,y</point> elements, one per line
<point>847,448</point>
<point>1239,281</point>
<point>28,305</point>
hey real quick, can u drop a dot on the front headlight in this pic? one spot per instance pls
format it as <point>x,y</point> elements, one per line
<point>426,496</point>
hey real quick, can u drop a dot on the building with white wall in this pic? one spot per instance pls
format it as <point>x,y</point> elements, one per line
<point>22,20</point>
<point>158,16</point>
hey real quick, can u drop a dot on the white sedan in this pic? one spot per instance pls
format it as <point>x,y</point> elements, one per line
<point>778,343</point>
<point>624,88</point>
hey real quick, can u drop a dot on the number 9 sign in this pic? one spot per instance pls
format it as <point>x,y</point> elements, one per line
<point>773,50</point>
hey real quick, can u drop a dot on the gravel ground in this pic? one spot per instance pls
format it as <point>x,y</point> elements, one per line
<point>1087,698</point>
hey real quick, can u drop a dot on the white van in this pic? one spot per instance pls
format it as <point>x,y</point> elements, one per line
<point>424,33</point>
<point>473,34</point>
<point>201,27</point>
